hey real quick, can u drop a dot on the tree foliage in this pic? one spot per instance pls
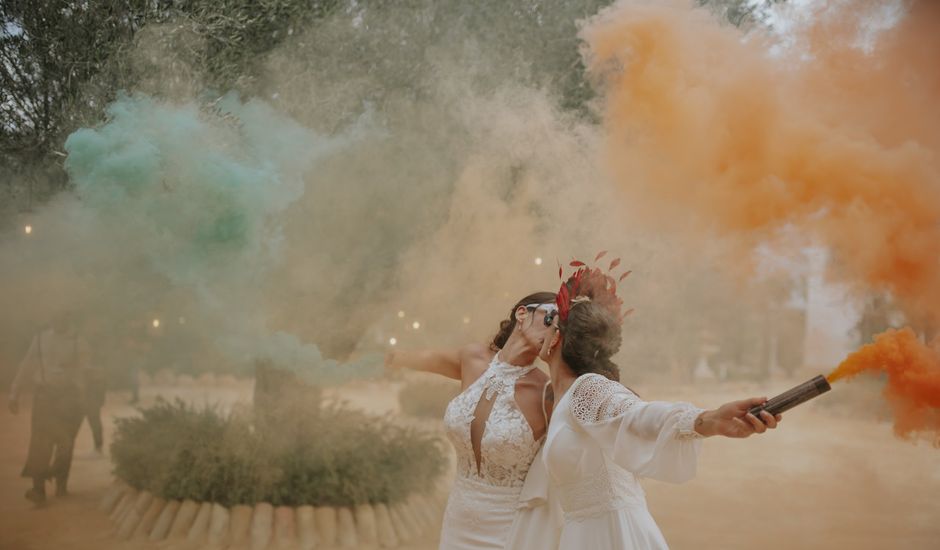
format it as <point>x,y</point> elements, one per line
<point>61,62</point>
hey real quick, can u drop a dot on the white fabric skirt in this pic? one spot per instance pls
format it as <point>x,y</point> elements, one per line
<point>630,528</point>
<point>478,516</point>
<point>539,520</point>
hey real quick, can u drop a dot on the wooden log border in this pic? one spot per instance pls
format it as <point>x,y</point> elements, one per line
<point>142,516</point>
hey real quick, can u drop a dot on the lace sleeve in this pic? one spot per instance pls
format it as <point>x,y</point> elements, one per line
<point>652,439</point>
<point>597,398</point>
<point>686,424</point>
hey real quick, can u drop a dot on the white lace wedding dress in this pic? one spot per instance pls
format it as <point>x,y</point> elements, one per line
<point>601,440</point>
<point>483,501</point>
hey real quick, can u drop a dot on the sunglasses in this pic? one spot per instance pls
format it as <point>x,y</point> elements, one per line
<point>549,318</point>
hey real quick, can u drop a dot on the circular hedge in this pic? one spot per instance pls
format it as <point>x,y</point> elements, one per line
<point>332,456</point>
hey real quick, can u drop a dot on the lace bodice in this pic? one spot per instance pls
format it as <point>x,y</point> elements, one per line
<point>605,489</point>
<point>508,446</point>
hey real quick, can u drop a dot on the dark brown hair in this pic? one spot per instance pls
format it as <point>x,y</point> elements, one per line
<point>506,326</point>
<point>591,337</point>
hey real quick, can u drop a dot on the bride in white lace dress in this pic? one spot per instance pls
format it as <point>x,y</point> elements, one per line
<point>496,423</point>
<point>603,438</point>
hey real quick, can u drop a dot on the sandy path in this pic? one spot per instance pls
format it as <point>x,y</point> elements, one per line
<point>822,481</point>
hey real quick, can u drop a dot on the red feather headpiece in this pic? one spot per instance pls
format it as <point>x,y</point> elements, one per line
<point>590,283</point>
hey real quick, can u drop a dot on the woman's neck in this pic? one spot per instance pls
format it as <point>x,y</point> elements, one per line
<point>562,377</point>
<point>517,352</point>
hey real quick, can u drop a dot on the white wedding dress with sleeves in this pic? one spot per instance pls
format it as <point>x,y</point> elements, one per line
<point>601,440</point>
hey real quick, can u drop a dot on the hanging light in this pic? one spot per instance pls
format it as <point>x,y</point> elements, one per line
<point>416,325</point>
<point>401,314</point>
<point>392,341</point>
<point>538,261</point>
<point>28,229</point>
<point>156,323</point>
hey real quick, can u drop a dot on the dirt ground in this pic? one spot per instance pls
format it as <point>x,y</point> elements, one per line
<point>823,480</point>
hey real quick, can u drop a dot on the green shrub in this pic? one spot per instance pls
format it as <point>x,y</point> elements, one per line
<point>334,457</point>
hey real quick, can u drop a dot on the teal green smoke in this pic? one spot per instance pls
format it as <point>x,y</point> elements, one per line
<point>201,181</point>
<point>197,193</point>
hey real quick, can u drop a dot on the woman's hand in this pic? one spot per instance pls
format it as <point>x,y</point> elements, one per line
<point>733,419</point>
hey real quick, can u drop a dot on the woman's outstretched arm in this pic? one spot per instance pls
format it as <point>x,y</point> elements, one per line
<point>443,362</point>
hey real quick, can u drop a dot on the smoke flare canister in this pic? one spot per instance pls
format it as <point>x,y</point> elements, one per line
<point>794,396</point>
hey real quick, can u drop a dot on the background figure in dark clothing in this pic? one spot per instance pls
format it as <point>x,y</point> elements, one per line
<point>134,371</point>
<point>138,347</point>
<point>54,365</point>
<point>95,387</point>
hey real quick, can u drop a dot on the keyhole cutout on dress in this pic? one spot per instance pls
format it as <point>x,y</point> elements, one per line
<point>478,425</point>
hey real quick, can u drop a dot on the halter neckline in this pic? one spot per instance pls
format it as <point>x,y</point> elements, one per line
<point>497,361</point>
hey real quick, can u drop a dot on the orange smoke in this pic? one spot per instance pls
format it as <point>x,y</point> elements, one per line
<point>913,379</point>
<point>834,136</point>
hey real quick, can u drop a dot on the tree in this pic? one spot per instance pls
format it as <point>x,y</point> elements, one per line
<point>741,13</point>
<point>61,62</point>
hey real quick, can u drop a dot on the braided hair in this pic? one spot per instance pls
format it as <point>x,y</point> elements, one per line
<point>591,337</point>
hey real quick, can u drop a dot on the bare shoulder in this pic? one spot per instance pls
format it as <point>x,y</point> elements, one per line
<point>474,353</point>
<point>474,359</point>
<point>532,385</point>
<point>535,378</point>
